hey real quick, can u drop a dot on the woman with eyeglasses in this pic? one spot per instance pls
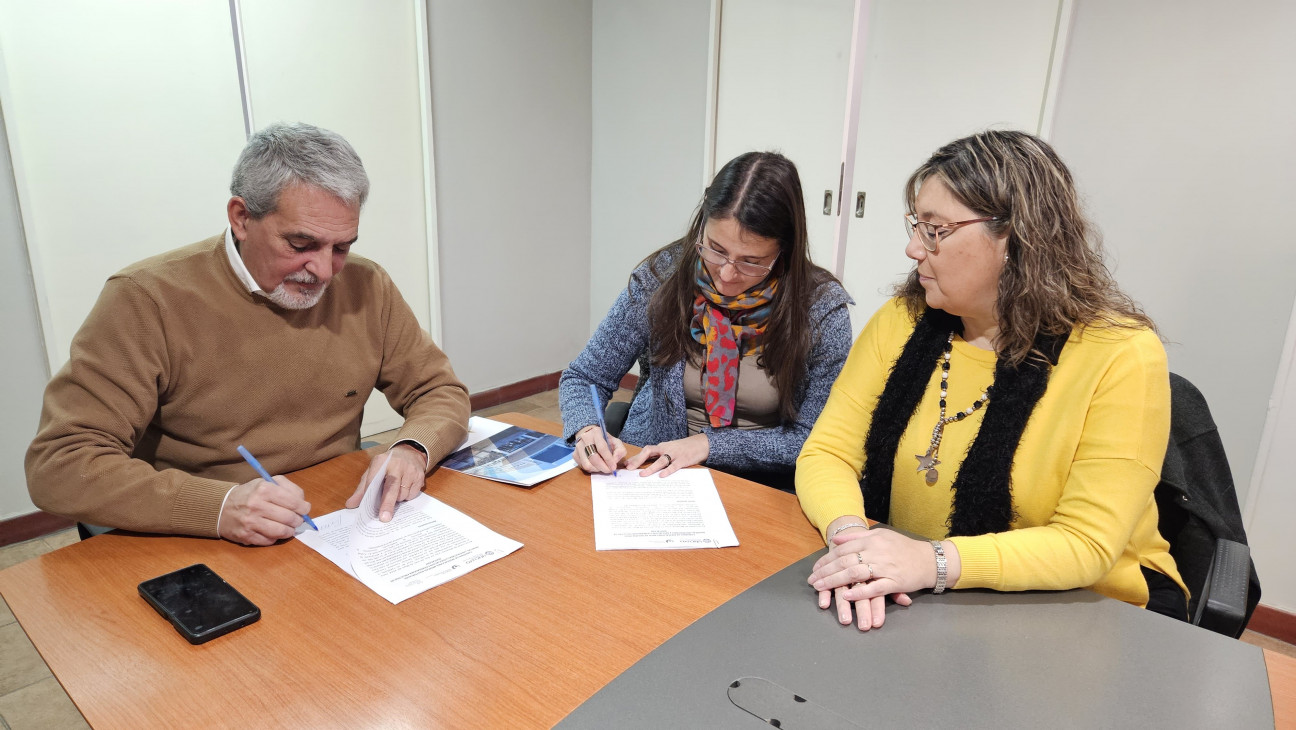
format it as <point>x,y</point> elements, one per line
<point>1010,406</point>
<point>739,337</point>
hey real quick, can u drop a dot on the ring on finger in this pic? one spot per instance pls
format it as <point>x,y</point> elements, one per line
<point>870,567</point>
<point>590,449</point>
<point>860,558</point>
<point>667,457</point>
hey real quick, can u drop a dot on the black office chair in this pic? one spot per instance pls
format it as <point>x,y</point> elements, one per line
<point>614,415</point>
<point>1200,518</point>
<point>85,531</point>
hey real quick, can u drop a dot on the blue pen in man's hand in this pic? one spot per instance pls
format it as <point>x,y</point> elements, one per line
<point>598,410</point>
<point>249,458</point>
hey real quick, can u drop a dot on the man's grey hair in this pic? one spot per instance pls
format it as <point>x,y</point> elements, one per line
<point>285,154</point>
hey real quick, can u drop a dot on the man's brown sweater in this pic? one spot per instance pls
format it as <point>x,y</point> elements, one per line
<point>178,363</point>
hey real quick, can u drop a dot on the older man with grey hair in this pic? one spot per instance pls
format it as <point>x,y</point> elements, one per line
<point>270,335</point>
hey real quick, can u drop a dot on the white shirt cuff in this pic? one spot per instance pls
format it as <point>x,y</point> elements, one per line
<point>222,509</point>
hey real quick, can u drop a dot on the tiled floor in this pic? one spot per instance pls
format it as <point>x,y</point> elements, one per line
<point>30,697</point>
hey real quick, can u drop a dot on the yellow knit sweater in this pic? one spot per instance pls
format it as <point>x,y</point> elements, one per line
<point>178,364</point>
<point>1082,475</point>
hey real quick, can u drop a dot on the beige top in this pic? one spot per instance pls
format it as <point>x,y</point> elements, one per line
<point>757,398</point>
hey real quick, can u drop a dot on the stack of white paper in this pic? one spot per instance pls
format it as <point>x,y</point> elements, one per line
<point>683,510</point>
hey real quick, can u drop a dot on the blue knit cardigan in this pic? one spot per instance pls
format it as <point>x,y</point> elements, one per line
<point>658,413</point>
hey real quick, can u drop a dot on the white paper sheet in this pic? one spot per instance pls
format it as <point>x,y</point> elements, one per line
<point>427,543</point>
<point>633,512</point>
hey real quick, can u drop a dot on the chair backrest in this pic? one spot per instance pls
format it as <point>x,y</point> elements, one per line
<point>1196,500</point>
<point>614,415</point>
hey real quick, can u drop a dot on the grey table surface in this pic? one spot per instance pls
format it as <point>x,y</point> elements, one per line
<point>968,659</point>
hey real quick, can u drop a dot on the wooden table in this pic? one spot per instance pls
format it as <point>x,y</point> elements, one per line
<point>517,643</point>
<point>1282,686</point>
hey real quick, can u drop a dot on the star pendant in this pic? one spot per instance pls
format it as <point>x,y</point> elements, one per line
<point>927,462</point>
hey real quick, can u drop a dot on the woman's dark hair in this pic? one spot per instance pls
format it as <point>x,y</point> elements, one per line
<point>762,192</point>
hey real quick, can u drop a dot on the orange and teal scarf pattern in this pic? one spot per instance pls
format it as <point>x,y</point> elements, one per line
<point>729,328</point>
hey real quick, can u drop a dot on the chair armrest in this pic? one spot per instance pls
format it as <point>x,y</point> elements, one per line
<point>1222,606</point>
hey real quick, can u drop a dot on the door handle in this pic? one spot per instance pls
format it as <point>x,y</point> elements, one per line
<point>859,204</point>
<point>827,202</point>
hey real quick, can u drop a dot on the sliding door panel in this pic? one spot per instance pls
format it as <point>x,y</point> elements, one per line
<point>936,70</point>
<point>782,86</point>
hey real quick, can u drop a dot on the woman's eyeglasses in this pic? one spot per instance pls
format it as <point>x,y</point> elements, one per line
<point>931,233</point>
<point>746,268</point>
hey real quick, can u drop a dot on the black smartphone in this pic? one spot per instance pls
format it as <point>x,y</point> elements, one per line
<point>199,603</point>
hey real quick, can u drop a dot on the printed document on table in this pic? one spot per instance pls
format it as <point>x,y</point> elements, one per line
<point>427,543</point>
<point>683,510</point>
<point>510,454</point>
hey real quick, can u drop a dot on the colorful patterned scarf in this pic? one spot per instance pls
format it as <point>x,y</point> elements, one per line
<point>729,327</point>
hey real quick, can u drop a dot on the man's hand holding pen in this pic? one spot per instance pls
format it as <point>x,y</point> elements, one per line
<point>262,512</point>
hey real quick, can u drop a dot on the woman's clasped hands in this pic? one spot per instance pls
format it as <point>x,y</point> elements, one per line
<point>862,567</point>
<point>596,455</point>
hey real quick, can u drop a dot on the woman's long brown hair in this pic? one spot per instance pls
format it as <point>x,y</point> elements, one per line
<point>762,192</point>
<point>1055,279</point>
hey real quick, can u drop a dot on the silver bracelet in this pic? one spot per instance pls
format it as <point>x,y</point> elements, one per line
<point>833,534</point>
<point>941,567</point>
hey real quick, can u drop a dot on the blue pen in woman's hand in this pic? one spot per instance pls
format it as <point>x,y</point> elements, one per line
<point>598,411</point>
<point>249,458</point>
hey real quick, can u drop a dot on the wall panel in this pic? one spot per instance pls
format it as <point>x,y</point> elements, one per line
<point>25,367</point>
<point>124,121</point>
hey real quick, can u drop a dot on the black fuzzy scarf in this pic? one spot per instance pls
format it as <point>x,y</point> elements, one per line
<point>982,489</point>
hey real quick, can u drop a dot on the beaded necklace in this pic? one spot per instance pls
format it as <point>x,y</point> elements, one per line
<point>927,462</point>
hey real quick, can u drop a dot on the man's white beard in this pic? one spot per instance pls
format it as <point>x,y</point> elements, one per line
<point>293,300</point>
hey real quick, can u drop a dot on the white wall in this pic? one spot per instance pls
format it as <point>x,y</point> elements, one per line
<point>1272,500</point>
<point>123,121</point>
<point>1178,120</point>
<point>25,371</point>
<point>164,86</point>
<point>649,125</point>
<point>511,114</point>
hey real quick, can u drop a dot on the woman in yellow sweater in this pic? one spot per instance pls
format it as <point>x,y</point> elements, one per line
<point>1011,405</point>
